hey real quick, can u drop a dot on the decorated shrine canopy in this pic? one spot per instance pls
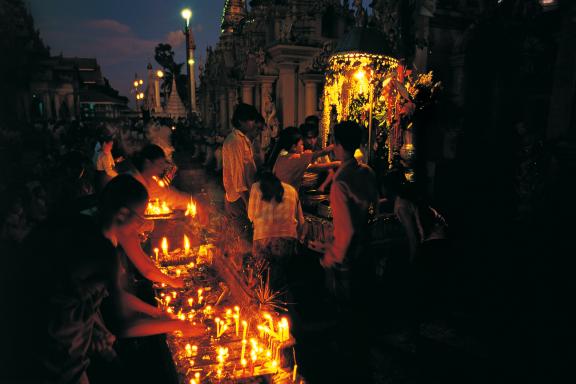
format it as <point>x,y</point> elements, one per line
<point>365,83</point>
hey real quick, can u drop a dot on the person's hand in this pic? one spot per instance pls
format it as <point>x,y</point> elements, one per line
<point>176,282</point>
<point>191,330</point>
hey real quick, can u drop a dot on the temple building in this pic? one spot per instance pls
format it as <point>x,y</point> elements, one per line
<point>272,56</point>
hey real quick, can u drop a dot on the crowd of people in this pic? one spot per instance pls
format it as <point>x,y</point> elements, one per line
<point>85,203</point>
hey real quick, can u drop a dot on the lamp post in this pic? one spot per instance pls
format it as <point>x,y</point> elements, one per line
<point>187,15</point>
<point>159,75</point>
<point>136,90</point>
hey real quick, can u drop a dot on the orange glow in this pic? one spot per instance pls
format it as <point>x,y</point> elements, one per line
<point>191,209</point>
<point>186,245</point>
<point>164,246</point>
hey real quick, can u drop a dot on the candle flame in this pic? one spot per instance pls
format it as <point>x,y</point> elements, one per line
<point>186,245</point>
<point>191,209</point>
<point>164,246</point>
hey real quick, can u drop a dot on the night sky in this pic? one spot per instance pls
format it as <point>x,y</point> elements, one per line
<point>122,34</point>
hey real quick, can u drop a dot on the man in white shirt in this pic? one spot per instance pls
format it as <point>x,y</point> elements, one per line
<point>238,167</point>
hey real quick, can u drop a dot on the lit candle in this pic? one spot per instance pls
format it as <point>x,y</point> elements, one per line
<point>244,329</point>
<point>156,250</point>
<point>243,362</point>
<point>164,246</point>
<point>294,373</point>
<point>217,320</point>
<point>188,349</point>
<point>285,329</point>
<point>186,245</point>
<point>167,299</point>
<point>194,350</point>
<point>190,301</point>
<point>178,272</point>
<point>174,293</point>
<point>223,328</point>
<point>237,322</point>
<point>200,290</point>
<point>244,342</point>
<point>197,376</point>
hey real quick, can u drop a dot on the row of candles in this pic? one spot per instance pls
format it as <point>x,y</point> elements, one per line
<point>158,207</point>
<point>272,335</point>
<point>202,249</point>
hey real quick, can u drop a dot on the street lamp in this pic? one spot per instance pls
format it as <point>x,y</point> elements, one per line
<point>136,90</point>
<point>187,15</point>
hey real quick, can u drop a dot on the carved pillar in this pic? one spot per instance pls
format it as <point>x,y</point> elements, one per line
<point>266,83</point>
<point>248,92</point>
<point>288,94</point>
<point>311,82</point>
<point>224,122</point>
<point>257,98</point>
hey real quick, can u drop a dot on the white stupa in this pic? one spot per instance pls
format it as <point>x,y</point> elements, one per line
<point>174,107</point>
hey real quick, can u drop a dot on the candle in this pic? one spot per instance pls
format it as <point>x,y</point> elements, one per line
<point>190,301</point>
<point>243,362</point>
<point>197,376</point>
<point>294,373</point>
<point>285,329</point>
<point>224,328</point>
<point>156,250</point>
<point>217,320</point>
<point>188,349</point>
<point>164,246</point>
<point>167,299</point>
<point>178,272</point>
<point>174,293</point>
<point>244,328</point>
<point>200,290</point>
<point>243,349</point>
<point>186,245</point>
<point>194,350</point>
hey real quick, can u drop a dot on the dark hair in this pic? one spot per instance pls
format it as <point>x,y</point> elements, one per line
<point>288,137</point>
<point>105,139</point>
<point>312,119</point>
<point>283,139</point>
<point>271,187</point>
<point>243,112</point>
<point>150,152</point>
<point>349,135</point>
<point>121,191</point>
<point>307,128</point>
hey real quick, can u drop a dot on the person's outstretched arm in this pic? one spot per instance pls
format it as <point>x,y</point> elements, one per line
<point>131,245</point>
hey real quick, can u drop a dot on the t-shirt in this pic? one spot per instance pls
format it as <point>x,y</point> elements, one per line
<point>273,219</point>
<point>290,167</point>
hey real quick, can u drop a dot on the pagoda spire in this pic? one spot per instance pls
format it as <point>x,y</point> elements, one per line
<point>234,11</point>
